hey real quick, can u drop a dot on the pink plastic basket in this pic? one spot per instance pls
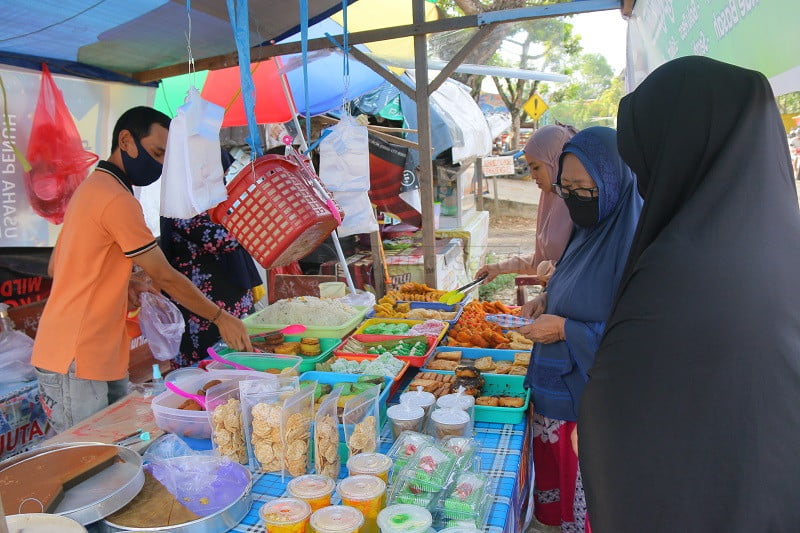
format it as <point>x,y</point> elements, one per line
<point>274,212</point>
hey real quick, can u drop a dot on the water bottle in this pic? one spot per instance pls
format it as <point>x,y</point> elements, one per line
<point>158,381</point>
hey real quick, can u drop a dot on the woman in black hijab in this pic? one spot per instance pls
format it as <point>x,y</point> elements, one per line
<point>691,418</point>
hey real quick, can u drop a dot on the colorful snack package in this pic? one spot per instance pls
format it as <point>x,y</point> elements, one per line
<point>326,438</point>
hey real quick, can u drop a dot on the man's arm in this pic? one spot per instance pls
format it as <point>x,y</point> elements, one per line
<point>232,330</point>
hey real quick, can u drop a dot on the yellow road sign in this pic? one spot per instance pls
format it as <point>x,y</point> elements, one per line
<point>535,107</point>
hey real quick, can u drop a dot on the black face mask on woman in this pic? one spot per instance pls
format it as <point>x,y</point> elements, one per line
<point>142,170</point>
<point>583,213</point>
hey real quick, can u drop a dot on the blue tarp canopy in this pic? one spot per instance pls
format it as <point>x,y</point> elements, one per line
<point>98,38</point>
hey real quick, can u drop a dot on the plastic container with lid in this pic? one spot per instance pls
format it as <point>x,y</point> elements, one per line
<point>313,489</point>
<point>462,401</point>
<point>405,417</point>
<point>405,446</point>
<point>285,515</point>
<point>419,398</point>
<point>450,423</point>
<point>370,464</point>
<point>460,529</point>
<point>403,518</point>
<point>367,494</point>
<point>337,519</point>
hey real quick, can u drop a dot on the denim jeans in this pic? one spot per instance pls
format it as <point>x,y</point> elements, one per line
<point>67,400</point>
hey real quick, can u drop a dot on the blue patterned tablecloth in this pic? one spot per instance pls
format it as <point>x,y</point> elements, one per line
<point>505,456</point>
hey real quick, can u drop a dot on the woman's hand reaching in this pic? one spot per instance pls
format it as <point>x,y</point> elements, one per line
<point>491,272</point>
<point>547,329</point>
<point>535,307</point>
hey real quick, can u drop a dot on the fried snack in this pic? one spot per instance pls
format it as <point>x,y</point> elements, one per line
<point>491,401</point>
<point>287,348</point>
<point>517,370</point>
<point>503,367</point>
<point>364,437</point>
<point>202,391</point>
<point>485,364</point>
<point>522,358</point>
<point>455,355</point>
<point>296,436</point>
<point>439,364</point>
<point>309,350</point>
<point>510,401</point>
<point>429,314</point>
<point>327,434</point>
<point>226,424</point>
<point>465,371</point>
<point>428,385</point>
<point>190,405</point>
<point>266,436</point>
<point>472,386</point>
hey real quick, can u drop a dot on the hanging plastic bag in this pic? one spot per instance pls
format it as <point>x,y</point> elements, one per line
<point>55,153</point>
<point>191,182</point>
<point>15,352</point>
<point>162,325</point>
<point>344,169</point>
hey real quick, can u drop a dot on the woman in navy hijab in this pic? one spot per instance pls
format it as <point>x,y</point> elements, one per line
<point>604,205</point>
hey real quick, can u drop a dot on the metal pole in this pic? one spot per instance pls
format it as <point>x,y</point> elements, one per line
<point>479,183</point>
<point>424,140</point>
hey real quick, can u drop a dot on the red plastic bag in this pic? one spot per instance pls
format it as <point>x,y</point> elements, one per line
<point>55,152</point>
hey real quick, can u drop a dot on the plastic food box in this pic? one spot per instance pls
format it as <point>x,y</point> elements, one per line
<point>254,325</point>
<point>326,346</point>
<point>260,362</point>
<point>415,360</point>
<point>367,357</point>
<point>436,306</point>
<point>332,378</point>
<point>192,424</point>
<point>472,354</point>
<point>500,385</point>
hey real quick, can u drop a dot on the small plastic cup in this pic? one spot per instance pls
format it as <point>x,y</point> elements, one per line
<point>403,518</point>
<point>405,417</point>
<point>419,398</point>
<point>313,489</point>
<point>450,422</point>
<point>285,515</point>
<point>370,464</point>
<point>337,519</point>
<point>367,494</point>
<point>461,401</point>
<point>460,529</point>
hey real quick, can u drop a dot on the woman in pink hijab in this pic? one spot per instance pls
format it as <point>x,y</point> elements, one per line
<point>553,225</point>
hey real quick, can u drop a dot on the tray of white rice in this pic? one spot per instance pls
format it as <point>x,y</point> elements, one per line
<point>322,317</point>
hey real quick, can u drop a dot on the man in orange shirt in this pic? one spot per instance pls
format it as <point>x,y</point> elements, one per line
<point>82,349</point>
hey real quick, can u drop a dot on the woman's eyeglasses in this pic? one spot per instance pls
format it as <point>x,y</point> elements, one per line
<point>581,193</point>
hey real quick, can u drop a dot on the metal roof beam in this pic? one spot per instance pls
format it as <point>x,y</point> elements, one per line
<point>459,58</point>
<point>265,51</point>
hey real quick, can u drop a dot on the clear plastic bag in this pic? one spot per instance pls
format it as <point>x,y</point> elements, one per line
<point>298,412</point>
<point>361,421</point>
<point>327,460</point>
<point>344,157</point>
<point>192,179</point>
<point>225,416</point>
<point>15,357</point>
<point>162,325</point>
<point>262,407</point>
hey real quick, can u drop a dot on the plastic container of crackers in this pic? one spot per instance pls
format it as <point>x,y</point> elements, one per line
<point>513,364</point>
<point>498,398</point>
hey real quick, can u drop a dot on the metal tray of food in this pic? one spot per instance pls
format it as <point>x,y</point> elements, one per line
<point>100,495</point>
<point>223,520</point>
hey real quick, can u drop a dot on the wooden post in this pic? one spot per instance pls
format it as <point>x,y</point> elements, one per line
<point>424,140</point>
<point>378,266</point>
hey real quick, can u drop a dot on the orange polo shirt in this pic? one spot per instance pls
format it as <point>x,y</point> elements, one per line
<point>84,318</point>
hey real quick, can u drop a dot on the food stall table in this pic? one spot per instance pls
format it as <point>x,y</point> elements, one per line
<point>505,456</point>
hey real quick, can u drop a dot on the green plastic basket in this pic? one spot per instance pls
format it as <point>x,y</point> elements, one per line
<point>254,326</point>
<point>326,346</point>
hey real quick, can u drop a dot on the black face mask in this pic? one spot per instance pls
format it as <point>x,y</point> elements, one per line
<point>143,170</point>
<point>583,213</point>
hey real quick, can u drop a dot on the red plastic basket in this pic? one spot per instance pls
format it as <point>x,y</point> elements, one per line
<point>274,212</point>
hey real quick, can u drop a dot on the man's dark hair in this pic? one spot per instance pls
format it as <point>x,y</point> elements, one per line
<point>138,121</point>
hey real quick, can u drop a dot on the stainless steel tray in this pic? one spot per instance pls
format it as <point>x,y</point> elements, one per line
<point>222,520</point>
<point>100,495</point>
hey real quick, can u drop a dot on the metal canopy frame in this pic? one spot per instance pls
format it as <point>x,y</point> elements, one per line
<point>419,29</point>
